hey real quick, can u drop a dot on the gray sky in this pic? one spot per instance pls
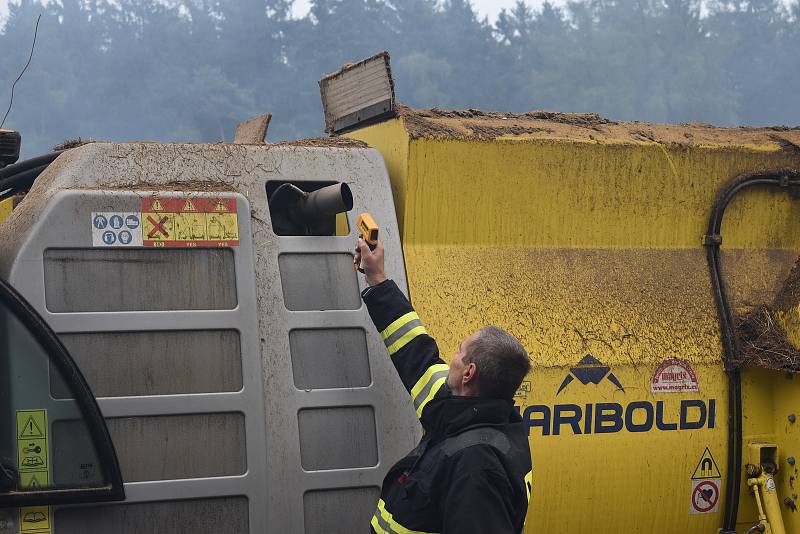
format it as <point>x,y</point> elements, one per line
<point>485,7</point>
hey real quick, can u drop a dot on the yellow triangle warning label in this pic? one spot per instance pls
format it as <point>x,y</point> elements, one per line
<point>31,480</point>
<point>31,429</point>
<point>189,206</point>
<point>157,205</point>
<point>220,206</point>
<point>707,468</point>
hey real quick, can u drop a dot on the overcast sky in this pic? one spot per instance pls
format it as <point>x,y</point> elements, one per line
<point>485,7</point>
<point>489,8</point>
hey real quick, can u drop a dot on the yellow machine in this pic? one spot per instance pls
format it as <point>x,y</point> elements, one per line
<point>602,273</point>
<point>651,271</point>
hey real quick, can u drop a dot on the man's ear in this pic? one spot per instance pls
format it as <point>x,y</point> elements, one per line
<point>470,374</point>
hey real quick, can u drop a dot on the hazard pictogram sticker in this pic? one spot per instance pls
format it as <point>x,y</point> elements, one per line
<point>706,467</point>
<point>190,222</point>
<point>705,496</point>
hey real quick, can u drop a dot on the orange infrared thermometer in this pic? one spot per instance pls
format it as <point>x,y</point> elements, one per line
<point>369,232</point>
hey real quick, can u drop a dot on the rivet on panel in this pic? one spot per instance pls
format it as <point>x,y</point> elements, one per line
<point>790,460</point>
<point>792,418</point>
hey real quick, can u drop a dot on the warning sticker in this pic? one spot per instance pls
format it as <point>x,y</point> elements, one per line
<point>707,467</point>
<point>674,376</point>
<point>189,222</point>
<point>705,496</point>
<point>34,480</point>
<point>32,457</point>
<point>33,466</point>
<point>32,453</point>
<point>34,520</point>
<point>31,424</point>
<point>524,389</point>
<point>116,229</point>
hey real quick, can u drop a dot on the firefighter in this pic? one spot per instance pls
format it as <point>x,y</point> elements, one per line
<point>471,472</point>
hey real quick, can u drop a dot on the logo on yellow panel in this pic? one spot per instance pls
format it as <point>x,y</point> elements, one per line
<point>590,370</point>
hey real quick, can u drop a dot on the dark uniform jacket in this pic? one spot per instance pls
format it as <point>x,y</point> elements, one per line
<point>471,472</point>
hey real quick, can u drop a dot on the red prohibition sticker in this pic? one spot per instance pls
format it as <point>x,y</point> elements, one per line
<point>705,496</point>
<point>674,376</point>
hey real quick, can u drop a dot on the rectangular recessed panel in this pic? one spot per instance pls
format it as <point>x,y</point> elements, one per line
<point>337,438</point>
<point>118,364</point>
<point>319,282</point>
<point>329,358</point>
<point>228,515</point>
<point>104,280</point>
<point>160,447</point>
<point>322,510</point>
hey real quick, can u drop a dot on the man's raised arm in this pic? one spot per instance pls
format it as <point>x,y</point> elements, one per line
<point>413,352</point>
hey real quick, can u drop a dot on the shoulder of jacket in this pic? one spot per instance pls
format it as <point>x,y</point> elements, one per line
<point>482,438</point>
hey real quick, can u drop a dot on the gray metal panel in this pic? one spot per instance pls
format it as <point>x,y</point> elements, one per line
<point>337,438</point>
<point>275,482</point>
<point>134,280</point>
<point>339,511</point>
<point>65,223</point>
<point>222,516</point>
<point>161,447</point>
<point>319,281</point>
<point>329,358</point>
<point>120,364</point>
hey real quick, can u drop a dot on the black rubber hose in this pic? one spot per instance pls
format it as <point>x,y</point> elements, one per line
<point>17,182</point>
<point>27,164</point>
<point>730,343</point>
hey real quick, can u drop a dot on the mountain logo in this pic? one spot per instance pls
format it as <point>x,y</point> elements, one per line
<point>590,369</point>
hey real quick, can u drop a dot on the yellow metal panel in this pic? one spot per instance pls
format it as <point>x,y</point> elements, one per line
<point>635,482</point>
<point>391,139</point>
<point>625,306</point>
<point>584,247</point>
<point>790,322</point>
<point>548,193</point>
<point>6,206</point>
<point>768,399</point>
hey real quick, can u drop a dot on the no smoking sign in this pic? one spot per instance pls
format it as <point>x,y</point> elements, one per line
<point>705,496</point>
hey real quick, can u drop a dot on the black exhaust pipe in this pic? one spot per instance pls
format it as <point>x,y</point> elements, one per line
<point>298,212</point>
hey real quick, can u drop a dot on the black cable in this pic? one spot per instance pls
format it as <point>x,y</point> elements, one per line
<point>19,182</point>
<point>730,343</point>
<point>24,165</point>
<point>13,85</point>
<point>21,176</point>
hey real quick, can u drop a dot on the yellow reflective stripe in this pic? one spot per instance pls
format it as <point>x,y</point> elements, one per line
<point>394,526</point>
<point>376,525</point>
<point>429,396</point>
<point>398,323</point>
<point>529,484</point>
<point>403,341</point>
<point>423,381</point>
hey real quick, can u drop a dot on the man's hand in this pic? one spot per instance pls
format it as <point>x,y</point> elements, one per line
<point>370,260</point>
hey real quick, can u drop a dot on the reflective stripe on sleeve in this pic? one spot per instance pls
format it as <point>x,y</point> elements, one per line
<point>529,484</point>
<point>384,523</point>
<point>398,334</point>
<point>427,386</point>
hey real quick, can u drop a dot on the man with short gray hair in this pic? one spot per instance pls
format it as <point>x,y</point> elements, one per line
<point>471,472</point>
